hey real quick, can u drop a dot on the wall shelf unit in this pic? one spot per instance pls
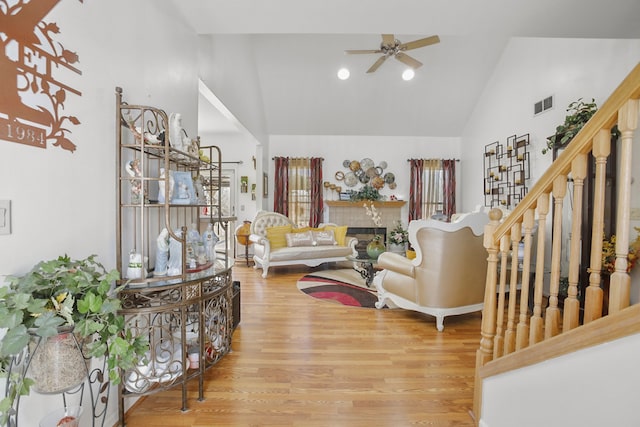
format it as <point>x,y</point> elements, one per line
<point>178,291</point>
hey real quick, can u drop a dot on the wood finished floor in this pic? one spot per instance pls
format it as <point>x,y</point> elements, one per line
<point>297,361</point>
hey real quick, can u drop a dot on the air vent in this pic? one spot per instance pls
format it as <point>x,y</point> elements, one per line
<point>542,106</point>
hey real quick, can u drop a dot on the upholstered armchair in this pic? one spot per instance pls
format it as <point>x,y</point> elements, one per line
<point>447,276</point>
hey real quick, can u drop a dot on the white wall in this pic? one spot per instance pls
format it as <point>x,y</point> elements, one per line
<point>529,70</point>
<point>228,68</point>
<point>394,150</point>
<point>65,202</point>
<point>590,388</point>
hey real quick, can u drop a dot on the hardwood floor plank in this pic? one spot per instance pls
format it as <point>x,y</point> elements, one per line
<point>298,361</point>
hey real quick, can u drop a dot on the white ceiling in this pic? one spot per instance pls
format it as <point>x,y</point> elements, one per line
<point>299,46</point>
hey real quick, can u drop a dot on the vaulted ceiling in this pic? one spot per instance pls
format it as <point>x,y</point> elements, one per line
<point>298,46</point>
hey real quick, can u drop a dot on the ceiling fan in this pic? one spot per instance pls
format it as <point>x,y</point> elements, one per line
<point>390,46</point>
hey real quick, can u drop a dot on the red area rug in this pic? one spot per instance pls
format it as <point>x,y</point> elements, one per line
<point>344,287</point>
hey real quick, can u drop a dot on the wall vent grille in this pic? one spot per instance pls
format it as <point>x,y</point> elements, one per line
<point>542,106</point>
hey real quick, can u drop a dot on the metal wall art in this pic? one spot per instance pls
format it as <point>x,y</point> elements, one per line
<point>32,65</point>
<point>506,171</point>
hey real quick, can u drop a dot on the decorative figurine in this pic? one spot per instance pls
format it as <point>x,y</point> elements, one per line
<point>209,239</point>
<point>133,169</point>
<point>177,135</point>
<point>174,266</point>
<point>162,183</point>
<point>162,253</point>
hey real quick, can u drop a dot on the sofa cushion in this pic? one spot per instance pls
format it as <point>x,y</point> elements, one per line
<point>339,233</point>
<point>309,252</point>
<point>324,238</point>
<point>297,238</point>
<point>278,236</point>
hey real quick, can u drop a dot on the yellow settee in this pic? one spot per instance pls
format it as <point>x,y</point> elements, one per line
<point>277,241</point>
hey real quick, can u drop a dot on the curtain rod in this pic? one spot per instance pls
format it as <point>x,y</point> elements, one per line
<point>457,160</point>
<point>239,162</point>
<point>321,158</point>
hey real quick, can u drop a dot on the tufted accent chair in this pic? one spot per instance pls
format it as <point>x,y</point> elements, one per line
<point>447,276</point>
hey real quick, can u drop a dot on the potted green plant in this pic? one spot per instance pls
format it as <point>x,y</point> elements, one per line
<point>68,296</point>
<point>366,192</point>
<point>579,113</point>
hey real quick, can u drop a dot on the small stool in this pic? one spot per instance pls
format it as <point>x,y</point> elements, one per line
<point>242,236</point>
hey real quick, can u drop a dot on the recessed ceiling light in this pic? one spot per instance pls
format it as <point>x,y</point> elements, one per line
<point>343,74</point>
<point>408,74</point>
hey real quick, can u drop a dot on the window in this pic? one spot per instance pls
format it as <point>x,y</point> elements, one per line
<point>299,199</point>
<point>433,188</point>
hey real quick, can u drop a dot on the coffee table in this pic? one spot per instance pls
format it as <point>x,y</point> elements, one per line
<point>367,268</point>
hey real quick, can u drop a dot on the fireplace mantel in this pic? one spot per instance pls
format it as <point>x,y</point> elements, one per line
<point>377,204</point>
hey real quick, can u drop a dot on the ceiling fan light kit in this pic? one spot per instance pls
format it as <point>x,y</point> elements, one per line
<point>391,46</point>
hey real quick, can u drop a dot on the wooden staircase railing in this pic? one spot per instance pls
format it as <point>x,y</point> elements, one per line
<point>528,322</point>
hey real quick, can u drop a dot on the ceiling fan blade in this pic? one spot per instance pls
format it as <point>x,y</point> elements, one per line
<point>377,64</point>
<point>406,59</point>
<point>419,43</point>
<point>388,39</point>
<point>358,51</point>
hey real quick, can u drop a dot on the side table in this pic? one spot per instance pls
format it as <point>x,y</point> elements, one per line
<point>242,236</point>
<point>367,268</point>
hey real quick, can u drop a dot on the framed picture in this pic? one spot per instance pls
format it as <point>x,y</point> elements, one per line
<point>244,184</point>
<point>265,184</point>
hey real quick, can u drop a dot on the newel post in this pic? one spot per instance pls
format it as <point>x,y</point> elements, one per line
<point>488,328</point>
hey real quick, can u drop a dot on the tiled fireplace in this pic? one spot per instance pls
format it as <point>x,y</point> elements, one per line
<point>353,215</point>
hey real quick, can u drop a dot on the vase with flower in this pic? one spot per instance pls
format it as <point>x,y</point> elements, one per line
<point>398,238</point>
<point>376,246</point>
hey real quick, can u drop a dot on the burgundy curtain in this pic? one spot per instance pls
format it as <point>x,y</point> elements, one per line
<point>315,214</point>
<point>449,187</point>
<point>416,189</point>
<point>281,186</point>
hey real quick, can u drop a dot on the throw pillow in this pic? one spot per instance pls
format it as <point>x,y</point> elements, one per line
<point>301,229</point>
<point>278,236</point>
<point>299,239</point>
<point>324,238</point>
<point>340,233</point>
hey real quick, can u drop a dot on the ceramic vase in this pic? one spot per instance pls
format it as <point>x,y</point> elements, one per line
<point>398,248</point>
<point>375,248</point>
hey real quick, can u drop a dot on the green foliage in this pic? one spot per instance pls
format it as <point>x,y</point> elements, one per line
<point>579,113</point>
<point>366,192</point>
<point>66,292</point>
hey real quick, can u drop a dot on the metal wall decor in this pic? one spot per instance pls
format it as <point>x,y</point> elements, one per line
<point>33,66</point>
<point>366,172</point>
<point>506,171</point>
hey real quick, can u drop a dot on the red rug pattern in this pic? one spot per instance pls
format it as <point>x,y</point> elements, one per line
<point>344,287</point>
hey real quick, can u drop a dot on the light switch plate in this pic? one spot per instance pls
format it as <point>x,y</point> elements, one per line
<point>5,216</point>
